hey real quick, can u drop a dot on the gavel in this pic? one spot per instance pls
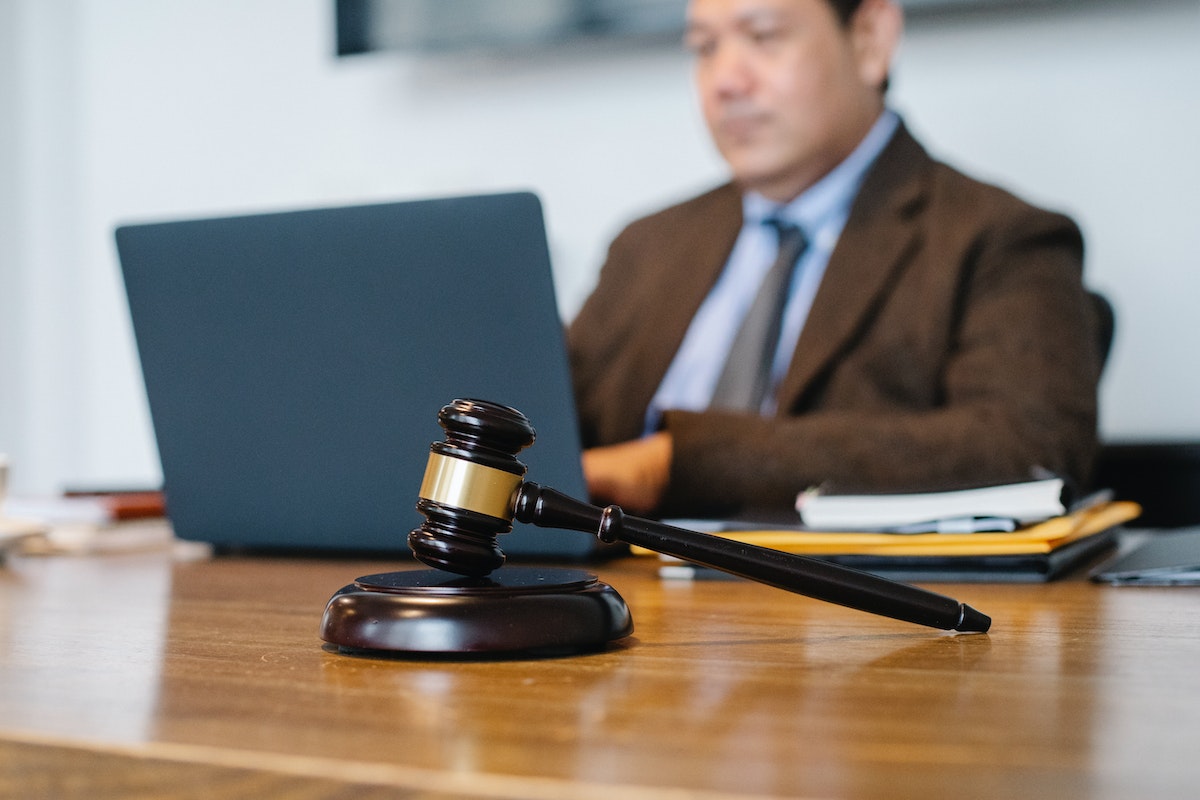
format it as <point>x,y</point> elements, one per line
<point>474,488</point>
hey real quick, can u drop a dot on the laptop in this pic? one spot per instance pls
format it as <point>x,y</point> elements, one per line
<point>295,363</point>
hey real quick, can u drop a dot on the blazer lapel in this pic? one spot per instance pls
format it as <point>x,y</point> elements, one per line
<point>701,264</point>
<point>872,248</point>
<point>691,271</point>
<point>685,262</point>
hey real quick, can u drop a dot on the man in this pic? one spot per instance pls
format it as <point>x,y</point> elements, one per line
<point>936,332</point>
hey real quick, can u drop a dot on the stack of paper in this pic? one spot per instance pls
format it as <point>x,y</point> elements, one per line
<point>987,508</point>
<point>86,523</point>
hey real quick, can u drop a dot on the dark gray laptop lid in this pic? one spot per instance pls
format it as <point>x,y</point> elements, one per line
<point>295,363</point>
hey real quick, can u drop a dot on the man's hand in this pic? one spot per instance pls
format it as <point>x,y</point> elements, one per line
<point>632,474</point>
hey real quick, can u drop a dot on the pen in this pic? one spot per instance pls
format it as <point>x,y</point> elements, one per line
<point>1090,501</point>
<point>689,572</point>
<point>958,525</point>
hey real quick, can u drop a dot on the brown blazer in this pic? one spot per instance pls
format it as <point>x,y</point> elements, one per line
<point>951,343</point>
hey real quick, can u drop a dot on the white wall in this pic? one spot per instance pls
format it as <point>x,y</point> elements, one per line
<point>1092,107</point>
<point>136,109</point>
<point>9,250</point>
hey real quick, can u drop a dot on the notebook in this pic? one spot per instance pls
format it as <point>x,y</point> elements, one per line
<point>295,363</point>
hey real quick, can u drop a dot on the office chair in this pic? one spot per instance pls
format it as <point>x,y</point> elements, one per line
<point>1164,477</point>
<point>1106,323</point>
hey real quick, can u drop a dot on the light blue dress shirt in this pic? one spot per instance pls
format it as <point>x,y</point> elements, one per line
<point>821,212</point>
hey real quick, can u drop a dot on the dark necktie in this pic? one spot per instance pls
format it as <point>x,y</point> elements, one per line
<point>746,376</point>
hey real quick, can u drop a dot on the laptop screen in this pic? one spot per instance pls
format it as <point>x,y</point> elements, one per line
<point>295,363</point>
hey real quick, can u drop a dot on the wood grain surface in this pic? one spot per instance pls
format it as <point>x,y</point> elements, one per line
<point>132,676</point>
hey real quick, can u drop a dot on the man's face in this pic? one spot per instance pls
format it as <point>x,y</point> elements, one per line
<point>786,89</point>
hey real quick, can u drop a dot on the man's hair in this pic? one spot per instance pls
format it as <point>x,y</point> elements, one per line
<point>845,9</point>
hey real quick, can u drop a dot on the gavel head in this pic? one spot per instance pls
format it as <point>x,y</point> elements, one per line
<point>470,484</point>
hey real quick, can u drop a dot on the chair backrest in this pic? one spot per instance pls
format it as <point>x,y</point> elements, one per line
<point>1106,323</point>
<point>1164,477</point>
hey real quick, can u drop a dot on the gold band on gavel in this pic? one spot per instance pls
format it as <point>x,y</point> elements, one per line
<point>458,483</point>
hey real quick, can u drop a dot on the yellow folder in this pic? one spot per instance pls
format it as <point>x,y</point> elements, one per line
<point>1041,537</point>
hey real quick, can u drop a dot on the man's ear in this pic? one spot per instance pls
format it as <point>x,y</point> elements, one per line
<point>875,30</point>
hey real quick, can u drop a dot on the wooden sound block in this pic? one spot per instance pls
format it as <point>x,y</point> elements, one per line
<point>514,611</point>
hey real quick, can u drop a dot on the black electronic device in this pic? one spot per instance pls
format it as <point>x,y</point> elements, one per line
<point>289,357</point>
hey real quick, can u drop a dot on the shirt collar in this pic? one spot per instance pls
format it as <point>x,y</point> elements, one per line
<point>831,196</point>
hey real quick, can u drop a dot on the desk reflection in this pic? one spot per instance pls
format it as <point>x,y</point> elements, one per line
<point>83,644</point>
<point>725,687</point>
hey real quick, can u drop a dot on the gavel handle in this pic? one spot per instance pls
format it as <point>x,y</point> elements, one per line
<point>852,588</point>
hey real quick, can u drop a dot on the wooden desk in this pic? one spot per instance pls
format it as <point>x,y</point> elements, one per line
<point>130,676</point>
